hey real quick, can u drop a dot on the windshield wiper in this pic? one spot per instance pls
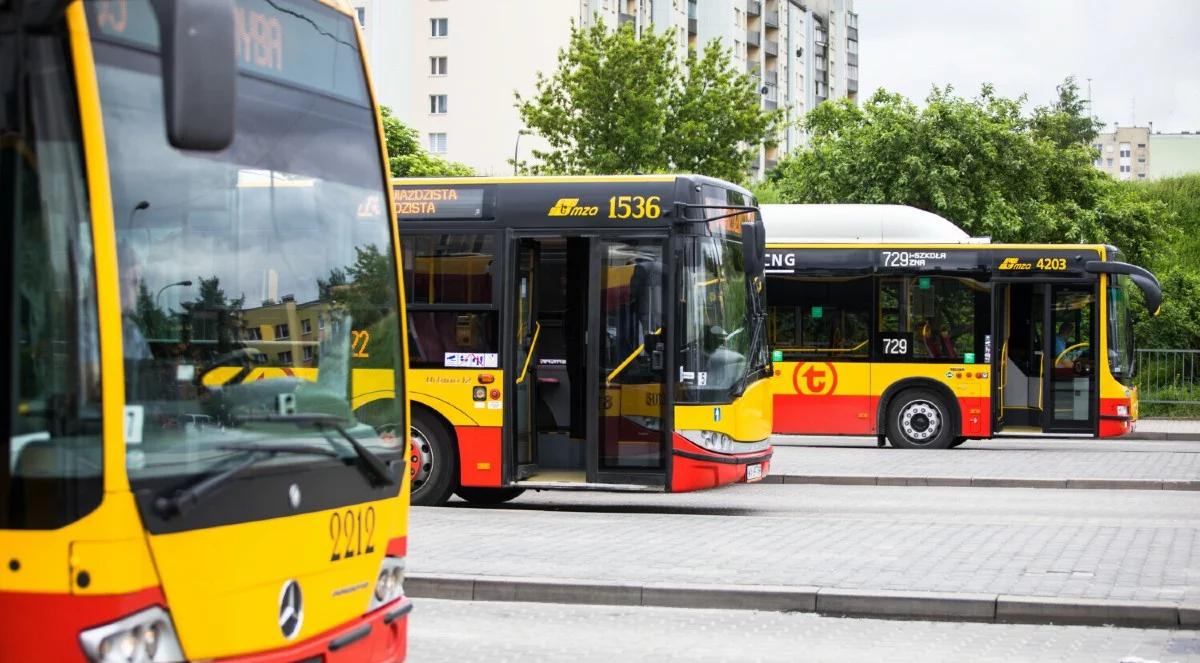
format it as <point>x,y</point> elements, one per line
<point>376,470</point>
<point>186,499</point>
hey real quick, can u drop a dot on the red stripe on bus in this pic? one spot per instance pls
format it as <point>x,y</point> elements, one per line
<point>46,627</point>
<point>479,455</point>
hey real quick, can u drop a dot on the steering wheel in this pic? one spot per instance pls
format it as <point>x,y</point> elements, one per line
<point>1058,361</point>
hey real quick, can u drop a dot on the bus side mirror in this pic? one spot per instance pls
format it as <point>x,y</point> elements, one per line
<point>751,249</point>
<point>199,65</point>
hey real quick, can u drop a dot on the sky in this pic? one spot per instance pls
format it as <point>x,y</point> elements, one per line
<point>1142,56</point>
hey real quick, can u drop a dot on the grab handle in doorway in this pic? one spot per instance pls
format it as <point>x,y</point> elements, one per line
<point>537,330</point>
<point>629,360</point>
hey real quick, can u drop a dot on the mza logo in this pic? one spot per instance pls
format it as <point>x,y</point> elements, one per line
<point>1014,264</point>
<point>571,207</point>
<point>815,378</point>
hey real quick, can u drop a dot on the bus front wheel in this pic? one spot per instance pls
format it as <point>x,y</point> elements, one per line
<point>488,495</point>
<point>919,419</point>
<point>432,463</point>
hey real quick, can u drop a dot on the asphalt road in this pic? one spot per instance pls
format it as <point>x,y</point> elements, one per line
<point>497,631</point>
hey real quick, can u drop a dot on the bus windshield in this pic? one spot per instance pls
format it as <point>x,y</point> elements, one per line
<point>243,272</point>
<point>722,337</point>
<point>1120,330</point>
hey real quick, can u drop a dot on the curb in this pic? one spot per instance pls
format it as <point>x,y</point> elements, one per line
<point>983,482</point>
<point>1163,435</point>
<point>895,604</point>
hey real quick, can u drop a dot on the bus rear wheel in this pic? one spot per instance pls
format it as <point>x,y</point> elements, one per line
<point>476,495</point>
<point>432,463</point>
<point>919,419</point>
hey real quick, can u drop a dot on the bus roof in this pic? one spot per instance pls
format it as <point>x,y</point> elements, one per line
<point>878,224</point>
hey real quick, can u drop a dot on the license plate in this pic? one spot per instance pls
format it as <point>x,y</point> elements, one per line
<point>753,472</point>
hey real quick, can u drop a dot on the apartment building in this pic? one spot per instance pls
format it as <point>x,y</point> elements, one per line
<point>1124,153</point>
<point>449,68</point>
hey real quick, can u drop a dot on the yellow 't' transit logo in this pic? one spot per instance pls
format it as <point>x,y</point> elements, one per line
<point>571,207</point>
<point>1014,264</point>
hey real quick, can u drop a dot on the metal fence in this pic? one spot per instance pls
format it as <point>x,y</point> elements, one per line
<point>1168,376</point>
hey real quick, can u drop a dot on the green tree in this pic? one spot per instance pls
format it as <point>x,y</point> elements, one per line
<point>979,162</point>
<point>406,158</point>
<point>622,103</point>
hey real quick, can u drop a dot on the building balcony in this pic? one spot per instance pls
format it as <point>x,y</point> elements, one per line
<point>692,26</point>
<point>772,77</point>
<point>852,85</point>
<point>753,38</point>
<point>754,8</point>
<point>754,69</point>
<point>772,19</point>
<point>770,104</point>
<point>623,18</point>
<point>770,163</point>
<point>852,33</point>
<point>772,48</point>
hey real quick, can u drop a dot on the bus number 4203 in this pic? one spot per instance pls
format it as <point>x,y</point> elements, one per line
<point>352,532</point>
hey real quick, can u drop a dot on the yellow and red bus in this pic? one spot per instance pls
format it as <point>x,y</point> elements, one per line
<point>197,248</point>
<point>583,333</point>
<point>889,321</point>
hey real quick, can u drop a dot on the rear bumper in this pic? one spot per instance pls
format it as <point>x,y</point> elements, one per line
<point>378,637</point>
<point>696,468</point>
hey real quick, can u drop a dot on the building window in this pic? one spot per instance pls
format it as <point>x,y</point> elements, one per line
<point>306,326</point>
<point>1124,169</point>
<point>281,331</point>
<point>1109,162</point>
<point>285,357</point>
<point>1099,147</point>
<point>362,15</point>
<point>437,104</point>
<point>437,65</point>
<point>1141,145</point>
<point>320,322</point>
<point>1141,159</point>
<point>1141,176</point>
<point>439,27</point>
<point>1124,149</point>
<point>437,143</point>
<point>308,354</point>
<point>252,334</point>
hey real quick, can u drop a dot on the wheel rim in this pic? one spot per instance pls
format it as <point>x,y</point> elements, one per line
<point>420,460</point>
<point>921,421</point>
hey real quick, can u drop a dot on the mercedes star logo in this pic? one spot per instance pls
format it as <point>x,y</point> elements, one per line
<point>291,609</point>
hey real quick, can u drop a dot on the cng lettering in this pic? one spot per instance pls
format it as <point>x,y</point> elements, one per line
<point>815,378</point>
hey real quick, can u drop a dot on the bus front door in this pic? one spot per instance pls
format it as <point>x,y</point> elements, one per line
<point>1070,390</point>
<point>627,434</point>
<point>524,367</point>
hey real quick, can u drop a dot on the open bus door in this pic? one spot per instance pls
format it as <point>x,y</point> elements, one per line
<point>588,372</point>
<point>1044,364</point>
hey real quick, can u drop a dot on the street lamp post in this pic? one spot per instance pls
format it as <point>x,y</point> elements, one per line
<point>517,145</point>
<point>169,285</point>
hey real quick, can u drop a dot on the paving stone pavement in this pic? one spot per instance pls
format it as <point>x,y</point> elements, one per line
<point>498,631</point>
<point>1142,461</point>
<point>1119,545</point>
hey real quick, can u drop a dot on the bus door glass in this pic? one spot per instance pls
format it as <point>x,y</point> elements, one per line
<point>1020,316</point>
<point>1070,362</point>
<point>527,332</point>
<point>632,356</point>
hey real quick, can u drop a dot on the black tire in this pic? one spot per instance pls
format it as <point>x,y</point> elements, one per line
<point>433,462</point>
<point>919,419</point>
<point>958,441</point>
<point>476,495</point>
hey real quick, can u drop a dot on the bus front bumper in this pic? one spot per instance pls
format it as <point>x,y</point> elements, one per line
<point>696,468</point>
<point>380,636</point>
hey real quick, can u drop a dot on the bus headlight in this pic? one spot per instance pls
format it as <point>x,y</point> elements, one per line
<point>389,584</point>
<point>722,443</point>
<point>143,637</point>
